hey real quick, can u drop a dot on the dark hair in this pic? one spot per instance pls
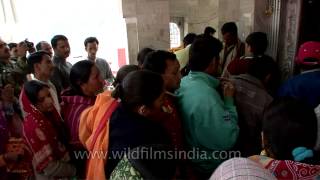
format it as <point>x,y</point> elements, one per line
<point>139,88</point>
<point>12,45</point>
<point>38,46</point>
<point>202,52</point>
<point>56,38</point>
<point>35,58</point>
<point>80,73</point>
<point>258,42</point>
<point>90,40</point>
<point>230,27</point>
<point>156,61</point>
<point>142,55</point>
<point>262,66</point>
<point>32,89</point>
<point>122,73</point>
<point>189,39</point>
<point>209,30</point>
<point>288,124</point>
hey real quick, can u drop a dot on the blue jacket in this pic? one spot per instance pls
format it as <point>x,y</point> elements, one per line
<point>304,87</point>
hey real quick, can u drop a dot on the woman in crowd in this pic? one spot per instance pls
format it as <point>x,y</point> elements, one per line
<point>86,83</point>
<point>135,123</point>
<point>142,55</point>
<point>14,164</point>
<point>122,73</point>
<point>43,130</point>
<point>289,137</point>
<point>94,126</point>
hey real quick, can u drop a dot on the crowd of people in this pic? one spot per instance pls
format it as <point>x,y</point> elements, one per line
<point>62,121</point>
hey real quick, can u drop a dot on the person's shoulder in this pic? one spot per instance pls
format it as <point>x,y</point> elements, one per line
<point>196,89</point>
<point>101,60</point>
<point>303,78</point>
<point>55,60</point>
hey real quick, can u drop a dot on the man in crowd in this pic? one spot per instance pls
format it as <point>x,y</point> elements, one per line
<point>7,75</point>
<point>60,76</point>
<point>44,46</point>
<point>210,122</point>
<point>13,51</point>
<point>42,67</point>
<point>233,47</point>
<point>92,45</point>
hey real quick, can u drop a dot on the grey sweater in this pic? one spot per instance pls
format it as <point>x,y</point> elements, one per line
<point>104,68</point>
<point>60,76</point>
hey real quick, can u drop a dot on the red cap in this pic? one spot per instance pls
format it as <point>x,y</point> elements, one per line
<point>309,50</point>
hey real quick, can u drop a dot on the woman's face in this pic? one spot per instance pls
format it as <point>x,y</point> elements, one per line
<point>94,84</point>
<point>45,102</point>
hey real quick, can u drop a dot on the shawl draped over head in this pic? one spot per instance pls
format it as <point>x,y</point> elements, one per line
<point>44,135</point>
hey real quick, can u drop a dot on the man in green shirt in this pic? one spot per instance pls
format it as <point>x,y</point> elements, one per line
<point>7,74</point>
<point>210,122</point>
<point>21,67</point>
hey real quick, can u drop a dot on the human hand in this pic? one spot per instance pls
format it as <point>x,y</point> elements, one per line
<point>228,88</point>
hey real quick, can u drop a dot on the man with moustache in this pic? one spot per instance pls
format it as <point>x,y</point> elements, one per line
<point>60,77</point>
<point>42,68</point>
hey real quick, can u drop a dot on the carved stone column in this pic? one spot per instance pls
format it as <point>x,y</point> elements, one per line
<point>288,37</point>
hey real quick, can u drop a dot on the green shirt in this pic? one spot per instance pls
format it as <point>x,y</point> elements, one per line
<point>8,76</point>
<point>21,70</point>
<point>210,123</point>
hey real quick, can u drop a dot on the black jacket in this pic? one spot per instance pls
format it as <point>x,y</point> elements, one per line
<point>130,130</point>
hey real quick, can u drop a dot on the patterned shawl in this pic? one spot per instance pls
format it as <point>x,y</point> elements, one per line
<point>287,169</point>
<point>43,135</point>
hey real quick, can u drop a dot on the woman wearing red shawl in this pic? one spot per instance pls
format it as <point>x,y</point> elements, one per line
<point>43,131</point>
<point>289,138</point>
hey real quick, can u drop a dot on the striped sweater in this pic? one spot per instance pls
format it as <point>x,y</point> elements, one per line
<point>71,109</point>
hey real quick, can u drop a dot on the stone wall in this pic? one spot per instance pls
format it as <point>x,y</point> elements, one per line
<point>147,25</point>
<point>197,14</point>
<point>239,11</point>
